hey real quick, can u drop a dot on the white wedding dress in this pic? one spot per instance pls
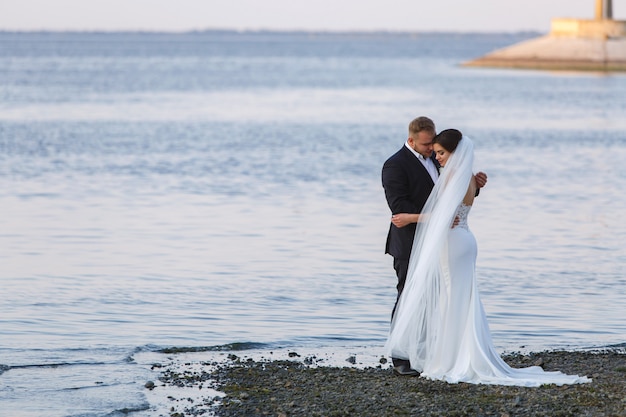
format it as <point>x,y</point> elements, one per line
<point>440,325</point>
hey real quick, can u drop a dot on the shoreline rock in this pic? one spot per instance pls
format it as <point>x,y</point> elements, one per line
<point>294,388</point>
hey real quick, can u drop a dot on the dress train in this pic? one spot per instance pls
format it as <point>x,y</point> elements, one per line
<point>453,342</point>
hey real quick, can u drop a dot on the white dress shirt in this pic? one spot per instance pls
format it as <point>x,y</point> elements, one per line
<point>427,162</point>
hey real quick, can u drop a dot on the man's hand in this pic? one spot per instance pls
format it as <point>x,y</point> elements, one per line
<point>455,222</point>
<point>481,179</point>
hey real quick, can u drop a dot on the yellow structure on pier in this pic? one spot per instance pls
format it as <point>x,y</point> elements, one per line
<point>572,44</point>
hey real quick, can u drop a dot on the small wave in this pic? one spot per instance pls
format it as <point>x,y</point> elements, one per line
<point>4,368</point>
<point>616,348</point>
<point>127,410</point>
<point>216,348</point>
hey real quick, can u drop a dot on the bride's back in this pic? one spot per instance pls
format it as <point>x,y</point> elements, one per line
<point>468,200</point>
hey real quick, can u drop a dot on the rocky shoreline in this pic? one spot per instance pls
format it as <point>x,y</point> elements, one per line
<point>284,388</point>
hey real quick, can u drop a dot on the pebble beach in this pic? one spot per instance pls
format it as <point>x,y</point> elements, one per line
<point>297,386</point>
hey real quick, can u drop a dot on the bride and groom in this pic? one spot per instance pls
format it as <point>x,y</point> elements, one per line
<point>439,327</point>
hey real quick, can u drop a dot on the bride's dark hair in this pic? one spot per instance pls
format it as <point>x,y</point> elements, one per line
<point>448,139</point>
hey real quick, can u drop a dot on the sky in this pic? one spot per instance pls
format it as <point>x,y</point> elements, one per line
<point>309,15</point>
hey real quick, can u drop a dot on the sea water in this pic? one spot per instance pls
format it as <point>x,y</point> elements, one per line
<point>213,190</point>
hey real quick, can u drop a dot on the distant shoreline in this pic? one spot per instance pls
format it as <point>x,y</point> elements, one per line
<point>268,31</point>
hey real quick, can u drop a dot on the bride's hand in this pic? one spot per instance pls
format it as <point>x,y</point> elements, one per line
<point>402,219</point>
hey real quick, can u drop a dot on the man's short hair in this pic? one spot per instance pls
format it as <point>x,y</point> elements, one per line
<point>420,124</point>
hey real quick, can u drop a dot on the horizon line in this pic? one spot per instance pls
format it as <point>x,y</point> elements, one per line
<point>271,31</point>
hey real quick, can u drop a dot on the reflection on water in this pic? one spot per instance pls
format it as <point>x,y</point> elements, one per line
<point>145,254</point>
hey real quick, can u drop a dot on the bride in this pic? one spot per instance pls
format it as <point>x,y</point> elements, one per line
<point>440,325</point>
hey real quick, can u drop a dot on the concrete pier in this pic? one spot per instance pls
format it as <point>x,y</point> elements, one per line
<point>573,44</point>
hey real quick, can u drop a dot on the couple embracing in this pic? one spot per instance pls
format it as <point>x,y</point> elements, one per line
<point>439,328</point>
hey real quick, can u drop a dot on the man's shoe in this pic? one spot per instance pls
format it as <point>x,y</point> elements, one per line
<point>405,370</point>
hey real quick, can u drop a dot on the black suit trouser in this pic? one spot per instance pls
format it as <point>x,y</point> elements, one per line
<point>401,266</point>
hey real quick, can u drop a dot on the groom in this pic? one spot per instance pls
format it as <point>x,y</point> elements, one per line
<point>408,177</point>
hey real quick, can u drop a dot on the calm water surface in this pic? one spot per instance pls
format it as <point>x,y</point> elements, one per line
<point>203,189</point>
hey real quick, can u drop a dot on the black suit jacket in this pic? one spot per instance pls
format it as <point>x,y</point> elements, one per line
<point>407,186</point>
